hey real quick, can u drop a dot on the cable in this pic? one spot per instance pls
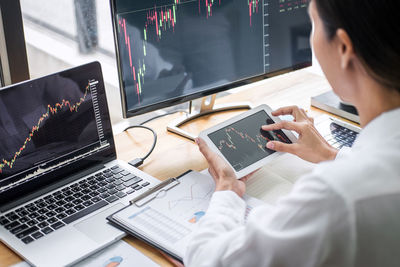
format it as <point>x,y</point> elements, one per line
<point>139,161</point>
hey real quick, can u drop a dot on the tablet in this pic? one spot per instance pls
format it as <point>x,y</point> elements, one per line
<point>242,143</point>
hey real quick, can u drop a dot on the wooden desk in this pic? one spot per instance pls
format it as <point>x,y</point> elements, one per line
<point>174,155</point>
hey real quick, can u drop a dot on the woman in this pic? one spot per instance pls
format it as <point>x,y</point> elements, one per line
<point>347,211</point>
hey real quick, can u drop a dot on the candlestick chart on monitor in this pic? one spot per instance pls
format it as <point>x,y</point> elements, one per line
<point>167,39</point>
<point>173,51</point>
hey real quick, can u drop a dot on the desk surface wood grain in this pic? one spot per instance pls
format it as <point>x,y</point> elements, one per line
<point>174,154</point>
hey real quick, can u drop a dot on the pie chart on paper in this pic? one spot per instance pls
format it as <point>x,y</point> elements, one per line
<point>197,216</point>
<point>113,262</point>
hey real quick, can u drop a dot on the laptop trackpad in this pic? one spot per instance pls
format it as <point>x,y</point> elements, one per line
<point>97,228</point>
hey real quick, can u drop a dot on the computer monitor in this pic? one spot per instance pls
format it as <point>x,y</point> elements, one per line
<point>173,51</point>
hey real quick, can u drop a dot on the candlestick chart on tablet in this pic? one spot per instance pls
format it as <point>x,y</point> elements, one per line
<point>244,142</point>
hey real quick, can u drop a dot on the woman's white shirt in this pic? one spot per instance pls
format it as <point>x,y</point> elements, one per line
<point>345,213</point>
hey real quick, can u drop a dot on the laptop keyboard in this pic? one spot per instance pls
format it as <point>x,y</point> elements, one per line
<point>340,136</point>
<point>71,203</point>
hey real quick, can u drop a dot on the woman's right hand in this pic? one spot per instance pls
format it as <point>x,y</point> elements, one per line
<point>311,146</point>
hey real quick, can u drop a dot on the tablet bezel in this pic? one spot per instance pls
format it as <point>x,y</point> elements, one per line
<point>258,164</point>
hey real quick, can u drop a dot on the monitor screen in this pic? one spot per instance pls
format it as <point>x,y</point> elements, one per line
<point>52,127</point>
<point>170,51</point>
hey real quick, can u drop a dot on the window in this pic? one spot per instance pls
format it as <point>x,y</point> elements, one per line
<point>65,33</point>
<point>13,63</point>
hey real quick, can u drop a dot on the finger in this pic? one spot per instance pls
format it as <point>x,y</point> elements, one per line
<point>287,125</point>
<point>212,172</point>
<point>248,176</point>
<point>245,178</point>
<point>304,113</point>
<point>306,117</point>
<point>216,164</point>
<point>290,110</point>
<point>282,147</point>
<point>205,150</point>
<point>252,173</point>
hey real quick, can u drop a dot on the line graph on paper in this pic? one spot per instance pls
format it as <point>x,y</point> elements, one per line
<point>244,143</point>
<point>197,194</point>
<point>173,215</point>
<point>192,203</point>
<point>189,199</point>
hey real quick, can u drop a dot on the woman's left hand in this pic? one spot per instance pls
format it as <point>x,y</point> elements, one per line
<point>224,177</point>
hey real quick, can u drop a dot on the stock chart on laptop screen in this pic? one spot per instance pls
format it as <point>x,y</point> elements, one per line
<point>47,124</point>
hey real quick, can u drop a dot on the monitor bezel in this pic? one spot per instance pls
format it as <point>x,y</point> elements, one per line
<point>186,98</point>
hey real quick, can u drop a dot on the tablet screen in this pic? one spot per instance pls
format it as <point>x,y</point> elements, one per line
<point>243,143</point>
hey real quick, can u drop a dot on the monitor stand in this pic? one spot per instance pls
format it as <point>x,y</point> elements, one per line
<point>207,107</point>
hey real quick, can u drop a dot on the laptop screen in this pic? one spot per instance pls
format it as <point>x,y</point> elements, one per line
<point>52,127</point>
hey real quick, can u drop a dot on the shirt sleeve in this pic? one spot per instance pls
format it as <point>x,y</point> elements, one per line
<point>310,227</point>
<point>343,152</point>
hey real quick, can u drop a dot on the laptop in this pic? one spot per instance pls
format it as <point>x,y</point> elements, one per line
<point>59,175</point>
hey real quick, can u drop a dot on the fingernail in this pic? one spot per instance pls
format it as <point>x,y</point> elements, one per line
<point>196,140</point>
<point>270,145</point>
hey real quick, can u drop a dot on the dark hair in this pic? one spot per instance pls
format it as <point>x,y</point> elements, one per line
<point>374,29</point>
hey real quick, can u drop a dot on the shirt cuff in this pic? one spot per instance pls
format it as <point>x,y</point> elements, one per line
<point>343,152</point>
<point>228,203</point>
